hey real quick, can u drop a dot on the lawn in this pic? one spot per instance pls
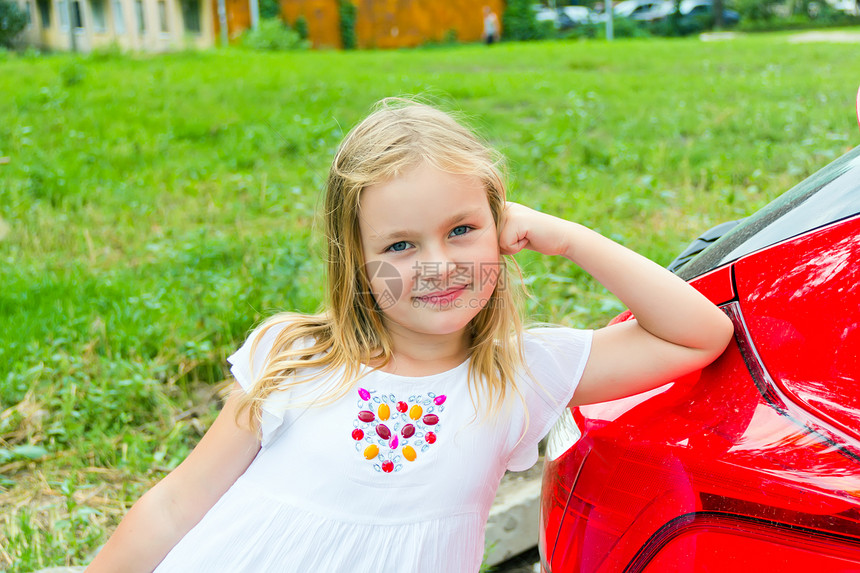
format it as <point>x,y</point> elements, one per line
<point>154,208</point>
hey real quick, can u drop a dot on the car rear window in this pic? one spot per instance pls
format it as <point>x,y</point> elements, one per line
<point>831,194</point>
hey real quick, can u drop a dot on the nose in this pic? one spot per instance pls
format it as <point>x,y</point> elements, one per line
<point>435,264</point>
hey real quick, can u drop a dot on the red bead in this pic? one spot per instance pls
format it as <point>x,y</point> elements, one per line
<point>407,431</point>
<point>383,431</point>
<point>430,438</point>
<point>431,419</point>
<point>357,434</point>
<point>439,400</point>
<point>366,416</point>
<point>387,466</point>
<point>402,407</point>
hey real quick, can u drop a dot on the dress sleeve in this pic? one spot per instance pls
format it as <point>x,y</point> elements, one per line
<point>246,369</point>
<point>555,357</point>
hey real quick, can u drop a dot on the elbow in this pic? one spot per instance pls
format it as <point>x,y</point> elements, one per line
<point>723,330</point>
<point>727,330</point>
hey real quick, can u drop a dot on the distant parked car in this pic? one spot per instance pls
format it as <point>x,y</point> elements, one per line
<point>634,9</point>
<point>690,11</point>
<point>579,15</point>
<point>751,464</point>
<point>556,17</point>
<point>545,13</point>
<point>705,9</point>
<point>565,17</point>
<point>847,6</point>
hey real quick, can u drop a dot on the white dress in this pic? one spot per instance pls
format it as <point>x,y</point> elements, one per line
<point>397,476</point>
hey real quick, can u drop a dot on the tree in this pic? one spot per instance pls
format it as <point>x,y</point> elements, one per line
<point>12,21</point>
<point>519,21</point>
<point>718,14</point>
<point>270,9</point>
<point>347,11</point>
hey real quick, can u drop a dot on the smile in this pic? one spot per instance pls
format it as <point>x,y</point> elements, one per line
<point>444,296</point>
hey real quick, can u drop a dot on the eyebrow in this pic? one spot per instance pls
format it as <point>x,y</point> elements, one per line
<point>405,234</point>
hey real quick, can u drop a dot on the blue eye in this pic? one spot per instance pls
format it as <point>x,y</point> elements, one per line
<point>461,230</point>
<point>398,246</point>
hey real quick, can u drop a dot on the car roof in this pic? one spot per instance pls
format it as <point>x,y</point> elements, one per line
<point>687,5</point>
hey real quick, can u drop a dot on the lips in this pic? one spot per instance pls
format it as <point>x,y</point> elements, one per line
<point>442,296</point>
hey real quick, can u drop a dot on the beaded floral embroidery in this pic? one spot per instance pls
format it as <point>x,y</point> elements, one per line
<point>388,431</point>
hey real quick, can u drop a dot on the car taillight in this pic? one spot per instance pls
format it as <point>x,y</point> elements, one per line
<point>562,463</point>
<point>743,544</point>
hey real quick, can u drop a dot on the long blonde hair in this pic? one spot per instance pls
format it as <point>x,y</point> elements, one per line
<point>397,136</point>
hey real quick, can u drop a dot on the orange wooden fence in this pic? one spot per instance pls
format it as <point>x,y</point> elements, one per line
<point>238,18</point>
<point>393,23</point>
<point>322,17</point>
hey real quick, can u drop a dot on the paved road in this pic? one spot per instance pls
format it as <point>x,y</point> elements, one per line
<point>528,562</point>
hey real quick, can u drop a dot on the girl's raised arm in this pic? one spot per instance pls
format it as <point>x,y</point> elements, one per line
<point>676,330</point>
<point>177,503</point>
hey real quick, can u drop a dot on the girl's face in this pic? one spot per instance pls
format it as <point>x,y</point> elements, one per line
<point>431,250</point>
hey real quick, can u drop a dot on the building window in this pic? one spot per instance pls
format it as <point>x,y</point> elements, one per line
<point>28,12</point>
<point>77,19</point>
<point>162,16</point>
<point>98,10</point>
<point>44,12</point>
<point>63,9</point>
<point>191,15</point>
<point>118,21</point>
<point>141,22</point>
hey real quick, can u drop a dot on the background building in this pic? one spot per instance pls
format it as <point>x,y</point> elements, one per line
<point>394,23</point>
<point>160,25</point>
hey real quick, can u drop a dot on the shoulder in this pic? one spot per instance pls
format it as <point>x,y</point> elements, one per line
<point>540,341</point>
<point>556,356</point>
<point>280,333</point>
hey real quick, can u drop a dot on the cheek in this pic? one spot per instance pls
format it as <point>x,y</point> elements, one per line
<point>389,281</point>
<point>489,266</point>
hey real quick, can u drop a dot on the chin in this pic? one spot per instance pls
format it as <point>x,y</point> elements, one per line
<point>440,323</point>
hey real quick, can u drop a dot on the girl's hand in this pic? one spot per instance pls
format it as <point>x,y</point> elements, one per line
<point>174,505</point>
<point>524,228</point>
<point>676,329</point>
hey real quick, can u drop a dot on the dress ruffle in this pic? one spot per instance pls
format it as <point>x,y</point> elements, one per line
<point>267,534</point>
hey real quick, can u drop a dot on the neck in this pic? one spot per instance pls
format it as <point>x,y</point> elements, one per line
<point>417,354</point>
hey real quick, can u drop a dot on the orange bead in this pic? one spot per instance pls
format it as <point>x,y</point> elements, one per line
<point>409,453</point>
<point>384,412</point>
<point>371,451</point>
<point>415,412</point>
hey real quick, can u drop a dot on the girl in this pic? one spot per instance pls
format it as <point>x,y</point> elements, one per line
<point>372,437</point>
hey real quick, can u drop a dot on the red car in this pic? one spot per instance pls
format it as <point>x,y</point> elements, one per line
<point>753,463</point>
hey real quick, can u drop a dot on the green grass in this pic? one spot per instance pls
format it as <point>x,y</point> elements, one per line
<point>153,208</point>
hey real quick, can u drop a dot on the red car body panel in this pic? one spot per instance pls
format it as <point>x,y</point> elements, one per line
<point>718,285</point>
<point>814,361</point>
<point>751,463</point>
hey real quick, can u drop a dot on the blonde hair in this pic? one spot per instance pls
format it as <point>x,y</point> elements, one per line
<point>399,135</point>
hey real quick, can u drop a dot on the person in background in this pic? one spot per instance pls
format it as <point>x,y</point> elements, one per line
<point>491,26</point>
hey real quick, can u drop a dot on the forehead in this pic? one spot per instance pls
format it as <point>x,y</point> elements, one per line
<point>421,199</point>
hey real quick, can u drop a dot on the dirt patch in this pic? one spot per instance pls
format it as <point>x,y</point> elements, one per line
<point>834,36</point>
<point>718,36</point>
